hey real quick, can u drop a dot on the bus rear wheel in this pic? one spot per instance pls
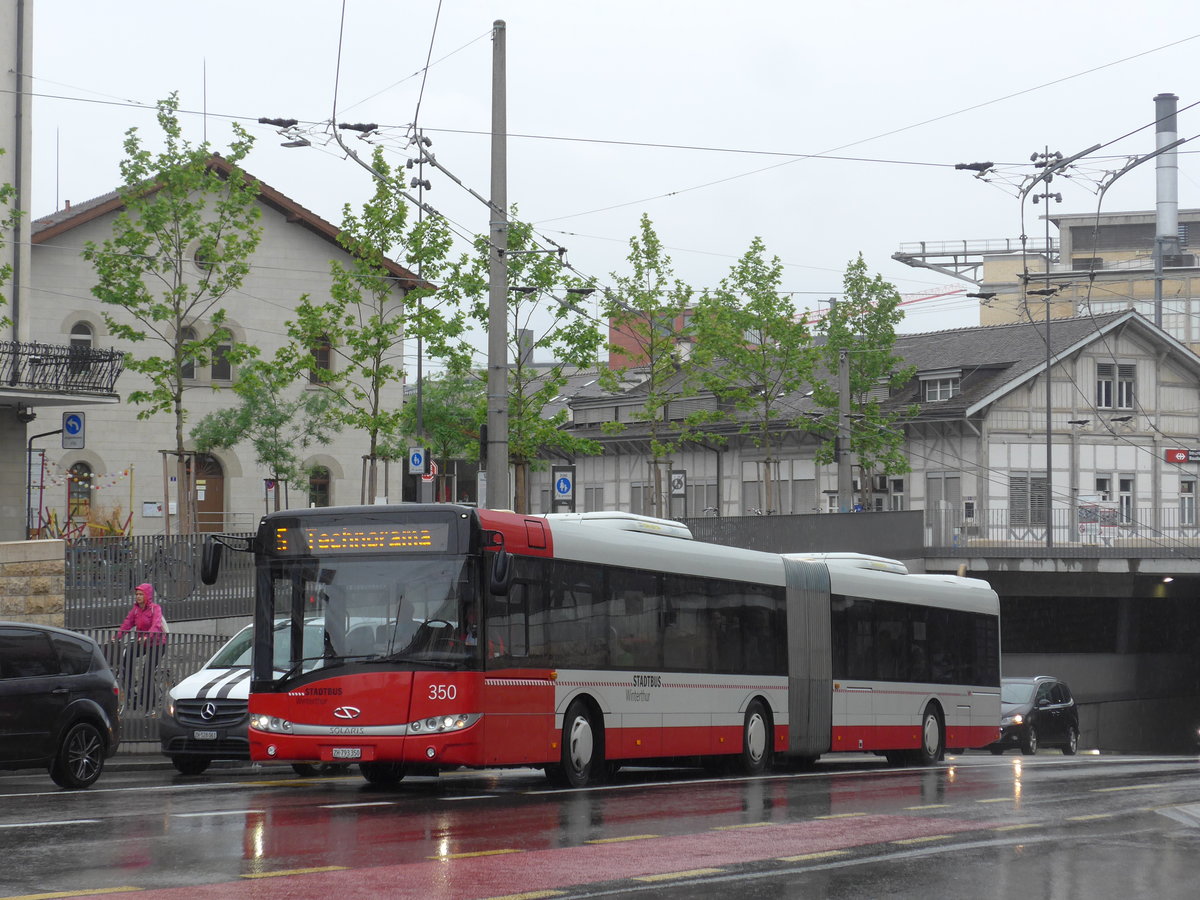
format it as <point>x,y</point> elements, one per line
<point>757,747</point>
<point>382,772</point>
<point>582,760</point>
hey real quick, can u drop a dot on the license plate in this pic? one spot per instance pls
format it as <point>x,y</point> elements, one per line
<point>347,752</point>
<point>204,735</point>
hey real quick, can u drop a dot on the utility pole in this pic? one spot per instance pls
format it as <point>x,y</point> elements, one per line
<point>498,494</point>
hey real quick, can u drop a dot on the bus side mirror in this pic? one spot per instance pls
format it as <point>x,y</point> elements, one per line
<point>210,561</point>
<point>500,575</point>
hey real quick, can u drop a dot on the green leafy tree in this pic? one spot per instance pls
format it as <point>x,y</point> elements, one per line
<point>450,409</point>
<point>864,323</point>
<point>182,242</point>
<point>542,316</point>
<point>280,423</point>
<point>372,309</point>
<point>8,220</point>
<point>754,351</point>
<point>646,308</point>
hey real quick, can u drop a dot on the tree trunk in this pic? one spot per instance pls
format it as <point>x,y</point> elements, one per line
<point>520,487</point>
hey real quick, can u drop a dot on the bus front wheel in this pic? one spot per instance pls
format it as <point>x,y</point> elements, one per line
<point>582,749</point>
<point>756,740</point>
<point>382,772</point>
<point>933,738</point>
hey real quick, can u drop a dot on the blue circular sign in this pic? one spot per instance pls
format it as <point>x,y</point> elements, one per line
<point>416,460</point>
<point>563,485</point>
<point>73,423</point>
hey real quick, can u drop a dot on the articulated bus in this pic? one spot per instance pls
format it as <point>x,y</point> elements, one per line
<point>453,636</point>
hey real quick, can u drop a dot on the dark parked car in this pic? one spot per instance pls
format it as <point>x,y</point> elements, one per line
<point>58,703</point>
<point>1038,711</point>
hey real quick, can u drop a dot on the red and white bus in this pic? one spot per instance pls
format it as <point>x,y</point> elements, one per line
<point>455,636</point>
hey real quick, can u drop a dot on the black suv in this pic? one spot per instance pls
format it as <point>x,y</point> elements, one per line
<point>1038,711</point>
<point>58,703</point>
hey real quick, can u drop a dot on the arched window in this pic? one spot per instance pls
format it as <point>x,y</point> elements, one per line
<point>322,360</point>
<point>80,348</point>
<point>318,486</point>
<point>79,491</point>
<point>188,367</point>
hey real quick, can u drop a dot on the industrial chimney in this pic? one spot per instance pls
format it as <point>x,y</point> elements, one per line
<point>1166,235</point>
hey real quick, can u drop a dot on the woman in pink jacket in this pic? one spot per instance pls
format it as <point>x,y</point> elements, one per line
<point>146,621</point>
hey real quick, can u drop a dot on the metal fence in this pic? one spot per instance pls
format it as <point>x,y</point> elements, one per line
<point>1080,532</point>
<point>146,674</point>
<point>101,574</point>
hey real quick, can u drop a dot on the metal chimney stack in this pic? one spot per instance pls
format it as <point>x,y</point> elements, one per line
<point>1166,235</point>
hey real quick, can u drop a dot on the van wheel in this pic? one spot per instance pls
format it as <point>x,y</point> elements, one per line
<point>757,743</point>
<point>1072,744</point>
<point>80,757</point>
<point>190,765</point>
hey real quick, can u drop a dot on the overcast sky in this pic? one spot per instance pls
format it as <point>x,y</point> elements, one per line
<point>699,114</point>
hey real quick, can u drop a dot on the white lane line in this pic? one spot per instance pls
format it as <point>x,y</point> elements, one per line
<point>219,812</point>
<point>355,805</point>
<point>50,824</point>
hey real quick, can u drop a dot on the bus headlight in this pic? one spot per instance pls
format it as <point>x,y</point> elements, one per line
<point>272,724</point>
<point>443,724</point>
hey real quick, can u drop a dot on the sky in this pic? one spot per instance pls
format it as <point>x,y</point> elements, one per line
<point>828,130</point>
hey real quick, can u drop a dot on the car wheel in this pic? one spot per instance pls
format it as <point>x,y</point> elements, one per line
<point>1029,743</point>
<point>757,745</point>
<point>582,749</point>
<point>383,773</point>
<point>933,738</point>
<point>190,765</point>
<point>995,751</point>
<point>1072,744</point>
<point>80,757</point>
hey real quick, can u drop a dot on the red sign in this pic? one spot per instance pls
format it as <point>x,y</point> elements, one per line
<point>1182,456</point>
<point>433,470</point>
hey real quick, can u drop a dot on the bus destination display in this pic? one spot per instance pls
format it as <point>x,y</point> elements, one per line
<point>373,539</point>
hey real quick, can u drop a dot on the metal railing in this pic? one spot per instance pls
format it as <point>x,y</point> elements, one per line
<point>59,367</point>
<point>101,574</point>
<point>990,245</point>
<point>1075,532</point>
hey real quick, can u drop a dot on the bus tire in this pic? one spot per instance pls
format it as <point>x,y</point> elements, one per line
<point>383,773</point>
<point>933,738</point>
<point>757,743</point>
<point>582,755</point>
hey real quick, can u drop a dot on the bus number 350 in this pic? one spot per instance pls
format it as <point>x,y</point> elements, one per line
<point>442,692</point>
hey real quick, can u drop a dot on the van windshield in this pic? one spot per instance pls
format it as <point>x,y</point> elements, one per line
<point>236,653</point>
<point>1016,691</point>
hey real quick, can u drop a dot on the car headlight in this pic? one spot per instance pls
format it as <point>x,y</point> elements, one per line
<point>273,724</point>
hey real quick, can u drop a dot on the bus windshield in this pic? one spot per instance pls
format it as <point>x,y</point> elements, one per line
<point>410,609</point>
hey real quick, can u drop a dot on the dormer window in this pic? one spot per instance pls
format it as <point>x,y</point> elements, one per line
<point>941,385</point>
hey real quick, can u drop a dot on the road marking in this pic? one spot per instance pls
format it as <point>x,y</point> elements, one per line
<point>477,797</point>
<point>477,853</point>
<point>57,894</point>
<point>841,815</point>
<point>925,840</point>
<point>1089,818</point>
<point>1016,827</point>
<point>45,824</point>
<point>805,857</point>
<point>994,800</point>
<point>1130,787</point>
<point>355,805</point>
<point>747,825</point>
<point>530,895</point>
<point>671,876</point>
<point>220,812</point>
<point>285,872</point>
<point>618,840</point>
<point>929,806</point>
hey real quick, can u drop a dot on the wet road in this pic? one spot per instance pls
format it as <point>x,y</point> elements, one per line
<point>977,826</point>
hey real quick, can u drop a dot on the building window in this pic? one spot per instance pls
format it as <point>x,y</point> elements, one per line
<point>80,348</point>
<point>79,491</point>
<point>222,368</point>
<point>318,486</point>
<point>187,368</point>
<point>937,389</point>
<point>1115,385</point>
<point>1187,501</point>
<point>1027,499</point>
<point>896,494</point>
<point>1104,487</point>
<point>593,499</point>
<point>322,361</point>
<point>1125,498</point>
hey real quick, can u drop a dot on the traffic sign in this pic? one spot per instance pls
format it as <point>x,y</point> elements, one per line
<point>417,460</point>
<point>563,487</point>
<point>563,480</point>
<point>433,470</point>
<point>72,431</point>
